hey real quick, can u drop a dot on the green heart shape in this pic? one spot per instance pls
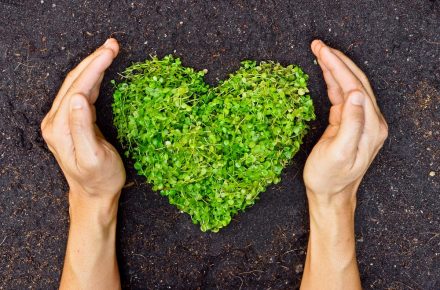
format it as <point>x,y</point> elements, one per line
<point>211,150</point>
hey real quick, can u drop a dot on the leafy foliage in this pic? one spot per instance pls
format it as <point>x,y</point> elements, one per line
<point>211,150</point>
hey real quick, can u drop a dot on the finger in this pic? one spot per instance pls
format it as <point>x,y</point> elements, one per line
<point>356,70</point>
<point>87,148</point>
<point>333,89</point>
<point>359,74</point>
<point>341,73</point>
<point>111,43</point>
<point>58,139</point>
<point>352,126</point>
<point>357,80</point>
<point>334,117</point>
<point>87,84</point>
<point>329,133</point>
<point>373,130</point>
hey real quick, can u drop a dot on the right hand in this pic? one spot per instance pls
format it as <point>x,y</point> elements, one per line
<point>356,131</point>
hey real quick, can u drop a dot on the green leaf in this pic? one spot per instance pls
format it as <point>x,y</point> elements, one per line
<point>211,150</point>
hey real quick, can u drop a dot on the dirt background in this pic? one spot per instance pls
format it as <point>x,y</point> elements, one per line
<point>397,43</point>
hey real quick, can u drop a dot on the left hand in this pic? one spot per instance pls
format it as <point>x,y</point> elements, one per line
<point>92,166</point>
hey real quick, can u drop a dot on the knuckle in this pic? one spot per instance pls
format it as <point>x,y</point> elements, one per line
<point>356,91</point>
<point>43,124</point>
<point>334,109</point>
<point>383,131</point>
<point>46,136</point>
<point>357,120</point>
<point>91,162</point>
<point>107,50</point>
<point>363,78</point>
<point>87,165</point>
<point>70,75</point>
<point>361,164</point>
<point>76,123</point>
<point>46,133</point>
<point>73,87</point>
<point>341,157</point>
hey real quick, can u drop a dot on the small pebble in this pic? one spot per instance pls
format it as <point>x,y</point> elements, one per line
<point>432,173</point>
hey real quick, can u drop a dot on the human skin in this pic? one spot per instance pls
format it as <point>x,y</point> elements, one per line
<point>95,173</point>
<point>335,168</point>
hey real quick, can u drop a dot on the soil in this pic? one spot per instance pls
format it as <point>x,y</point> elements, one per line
<point>397,43</point>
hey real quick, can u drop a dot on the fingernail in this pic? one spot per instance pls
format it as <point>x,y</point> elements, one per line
<point>76,103</point>
<point>107,43</point>
<point>357,99</point>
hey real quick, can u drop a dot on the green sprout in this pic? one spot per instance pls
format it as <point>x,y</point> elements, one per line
<point>211,150</point>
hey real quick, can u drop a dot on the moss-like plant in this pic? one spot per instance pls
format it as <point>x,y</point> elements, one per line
<point>211,150</point>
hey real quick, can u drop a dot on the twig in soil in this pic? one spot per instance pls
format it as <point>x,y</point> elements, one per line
<point>141,256</point>
<point>250,272</point>
<point>288,252</point>
<point>398,282</point>
<point>351,46</point>
<point>241,279</point>
<point>116,32</point>
<point>26,65</point>
<point>130,184</point>
<point>432,42</point>
<point>3,241</point>
<point>435,235</point>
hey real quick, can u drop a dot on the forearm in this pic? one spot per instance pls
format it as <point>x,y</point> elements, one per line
<point>90,261</point>
<point>331,255</point>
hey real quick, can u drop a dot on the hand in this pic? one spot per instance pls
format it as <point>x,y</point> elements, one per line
<point>94,171</point>
<point>334,170</point>
<point>356,131</point>
<point>92,166</point>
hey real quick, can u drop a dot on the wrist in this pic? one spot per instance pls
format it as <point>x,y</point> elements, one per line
<point>331,222</point>
<point>343,200</point>
<point>91,253</point>
<point>332,232</point>
<point>333,215</point>
<point>93,210</point>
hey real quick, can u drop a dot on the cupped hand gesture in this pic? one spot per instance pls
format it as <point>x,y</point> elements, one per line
<point>356,131</point>
<point>92,166</point>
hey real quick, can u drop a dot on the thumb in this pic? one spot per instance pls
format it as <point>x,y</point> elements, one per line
<point>352,124</point>
<point>82,129</point>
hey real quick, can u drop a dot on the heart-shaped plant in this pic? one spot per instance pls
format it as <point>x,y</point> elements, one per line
<point>211,150</point>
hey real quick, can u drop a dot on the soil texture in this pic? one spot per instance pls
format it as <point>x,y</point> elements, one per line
<point>397,44</point>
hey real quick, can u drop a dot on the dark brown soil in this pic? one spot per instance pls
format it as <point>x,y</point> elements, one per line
<point>397,43</point>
